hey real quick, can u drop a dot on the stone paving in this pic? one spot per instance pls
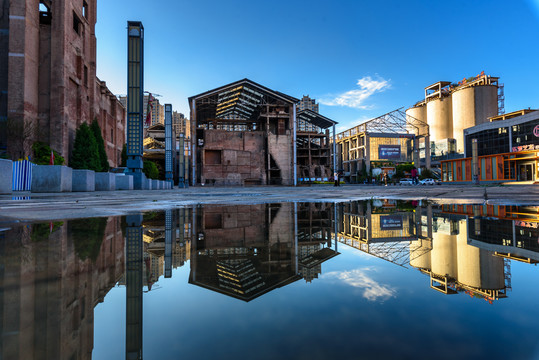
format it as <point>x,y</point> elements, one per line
<point>32,206</point>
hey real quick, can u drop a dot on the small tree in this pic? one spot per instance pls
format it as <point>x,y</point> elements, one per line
<point>85,154</point>
<point>42,154</point>
<point>103,159</point>
<point>150,169</point>
<point>124,156</point>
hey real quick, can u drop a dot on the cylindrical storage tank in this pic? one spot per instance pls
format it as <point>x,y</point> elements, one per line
<point>440,119</point>
<point>472,106</point>
<point>444,255</point>
<point>477,267</point>
<point>415,113</point>
<point>420,254</point>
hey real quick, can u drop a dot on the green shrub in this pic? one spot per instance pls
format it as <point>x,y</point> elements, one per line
<point>42,154</point>
<point>103,159</point>
<point>151,170</point>
<point>87,235</point>
<point>85,154</point>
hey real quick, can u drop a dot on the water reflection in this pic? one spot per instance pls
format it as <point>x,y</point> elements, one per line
<point>53,274</point>
<point>50,283</point>
<point>247,251</point>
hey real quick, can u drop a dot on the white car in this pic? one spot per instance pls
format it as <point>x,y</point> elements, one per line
<point>405,181</point>
<point>428,181</point>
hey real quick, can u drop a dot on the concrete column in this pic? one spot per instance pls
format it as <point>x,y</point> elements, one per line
<point>334,150</point>
<point>193,141</point>
<point>294,145</point>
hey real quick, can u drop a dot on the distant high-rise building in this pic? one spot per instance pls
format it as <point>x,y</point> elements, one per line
<point>306,103</point>
<point>181,124</point>
<point>158,110</point>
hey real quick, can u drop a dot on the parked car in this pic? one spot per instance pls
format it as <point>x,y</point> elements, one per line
<point>405,181</point>
<point>429,181</point>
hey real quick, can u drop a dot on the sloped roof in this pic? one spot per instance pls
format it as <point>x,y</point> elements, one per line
<point>241,98</point>
<point>315,119</point>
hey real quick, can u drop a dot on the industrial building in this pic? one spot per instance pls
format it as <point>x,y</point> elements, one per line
<point>507,150</point>
<point>244,133</point>
<point>380,143</point>
<point>48,83</point>
<point>449,108</point>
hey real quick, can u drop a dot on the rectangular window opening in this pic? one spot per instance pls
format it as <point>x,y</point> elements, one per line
<point>85,9</point>
<point>76,23</point>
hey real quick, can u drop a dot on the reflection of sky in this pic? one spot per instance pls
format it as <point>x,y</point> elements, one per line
<point>329,318</point>
<point>360,278</point>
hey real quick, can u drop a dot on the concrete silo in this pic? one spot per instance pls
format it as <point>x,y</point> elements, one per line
<point>417,115</point>
<point>477,267</point>
<point>420,253</point>
<point>439,118</point>
<point>444,255</point>
<point>472,105</point>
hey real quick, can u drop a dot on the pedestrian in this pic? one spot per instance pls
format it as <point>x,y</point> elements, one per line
<point>336,178</point>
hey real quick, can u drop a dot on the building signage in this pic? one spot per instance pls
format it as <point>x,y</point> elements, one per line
<point>391,222</point>
<point>525,147</point>
<point>527,224</point>
<point>389,152</point>
<point>536,131</point>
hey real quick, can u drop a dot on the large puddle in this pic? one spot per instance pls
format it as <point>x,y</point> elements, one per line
<point>374,279</point>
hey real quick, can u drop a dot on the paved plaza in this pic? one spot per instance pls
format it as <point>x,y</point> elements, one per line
<point>32,206</point>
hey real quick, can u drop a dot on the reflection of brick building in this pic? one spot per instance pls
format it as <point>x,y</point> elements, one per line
<point>48,58</point>
<point>49,293</point>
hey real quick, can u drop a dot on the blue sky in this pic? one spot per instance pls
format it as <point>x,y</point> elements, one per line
<point>359,59</point>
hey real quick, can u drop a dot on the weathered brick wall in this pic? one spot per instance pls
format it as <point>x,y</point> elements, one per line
<point>280,147</point>
<point>241,158</point>
<point>52,85</point>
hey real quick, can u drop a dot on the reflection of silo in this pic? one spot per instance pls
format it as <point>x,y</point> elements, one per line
<point>477,267</point>
<point>439,118</point>
<point>416,113</point>
<point>420,254</point>
<point>472,106</point>
<point>444,255</point>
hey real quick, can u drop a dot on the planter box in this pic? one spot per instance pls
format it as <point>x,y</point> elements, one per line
<point>124,182</point>
<point>155,185</point>
<point>51,178</point>
<point>6,176</point>
<point>105,181</point>
<point>83,180</point>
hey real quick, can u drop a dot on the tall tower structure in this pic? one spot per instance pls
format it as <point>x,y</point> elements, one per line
<point>135,99</point>
<point>306,103</point>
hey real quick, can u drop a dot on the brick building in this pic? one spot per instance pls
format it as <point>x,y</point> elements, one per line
<point>48,78</point>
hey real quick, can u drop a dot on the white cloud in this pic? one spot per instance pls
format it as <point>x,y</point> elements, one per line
<point>356,98</point>
<point>360,279</point>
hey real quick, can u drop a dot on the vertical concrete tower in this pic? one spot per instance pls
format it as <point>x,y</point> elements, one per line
<point>473,104</point>
<point>477,267</point>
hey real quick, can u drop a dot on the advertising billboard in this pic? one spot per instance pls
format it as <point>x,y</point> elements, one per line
<point>389,152</point>
<point>391,222</point>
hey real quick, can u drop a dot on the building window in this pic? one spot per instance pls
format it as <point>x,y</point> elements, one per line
<point>76,23</point>
<point>85,9</point>
<point>494,169</point>
<point>463,168</point>
<point>483,170</point>
<point>212,157</point>
<point>85,75</point>
<point>112,135</point>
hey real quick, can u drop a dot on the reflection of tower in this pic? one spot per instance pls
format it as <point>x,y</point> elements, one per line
<point>133,337</point>
<point>168,242</point>
<point>454,265</point>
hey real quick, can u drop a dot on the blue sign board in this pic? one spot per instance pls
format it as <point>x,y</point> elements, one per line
<point>389,152</point>
<point>391,222</point>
